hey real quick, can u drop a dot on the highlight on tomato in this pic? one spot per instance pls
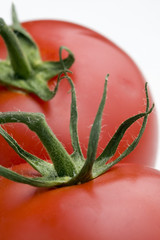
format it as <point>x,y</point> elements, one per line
<point>94,56</point>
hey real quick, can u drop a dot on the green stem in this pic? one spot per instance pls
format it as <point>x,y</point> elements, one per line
<point>36,122</point>
<point>77,154</point>
<point>18,60</point>
<point>61,159</point>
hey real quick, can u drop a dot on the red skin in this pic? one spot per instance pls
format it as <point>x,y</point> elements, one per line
<point>121,204</point>
<point>95,57</point>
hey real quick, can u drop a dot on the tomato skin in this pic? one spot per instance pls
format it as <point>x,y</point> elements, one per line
<point>95,57</point>
<point>121,204</point>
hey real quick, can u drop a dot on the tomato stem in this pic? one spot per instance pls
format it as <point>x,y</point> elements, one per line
<point>24,69</point>
<point>18,59</point>
<point>77,155</point>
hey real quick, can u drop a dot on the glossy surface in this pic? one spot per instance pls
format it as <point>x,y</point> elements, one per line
<point>121,204</point>
<point>95,57</point>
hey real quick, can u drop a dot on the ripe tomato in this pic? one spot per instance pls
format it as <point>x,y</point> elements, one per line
<point>95,56</point>
<point>120,204</point>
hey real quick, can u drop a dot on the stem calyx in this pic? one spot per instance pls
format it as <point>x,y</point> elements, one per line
<point>24,69</point>
<point>68,169</point>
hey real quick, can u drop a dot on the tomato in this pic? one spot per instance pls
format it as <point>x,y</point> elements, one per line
<point>95,56</point>
<point>123,204</point>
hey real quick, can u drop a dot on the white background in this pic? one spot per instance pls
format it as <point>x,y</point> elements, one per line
<point>132,25</point>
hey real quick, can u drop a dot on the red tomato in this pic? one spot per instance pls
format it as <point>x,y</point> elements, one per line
<point>95,56</point>
<point>120,204</point>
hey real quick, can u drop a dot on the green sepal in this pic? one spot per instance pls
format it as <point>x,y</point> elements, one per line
<point>24,69</point>
<point>101,166</point>
<point>77,152</point>
<point>26,41</point>
<point>43,167</point>
<point>85,173</point>
<point>48,182</point>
